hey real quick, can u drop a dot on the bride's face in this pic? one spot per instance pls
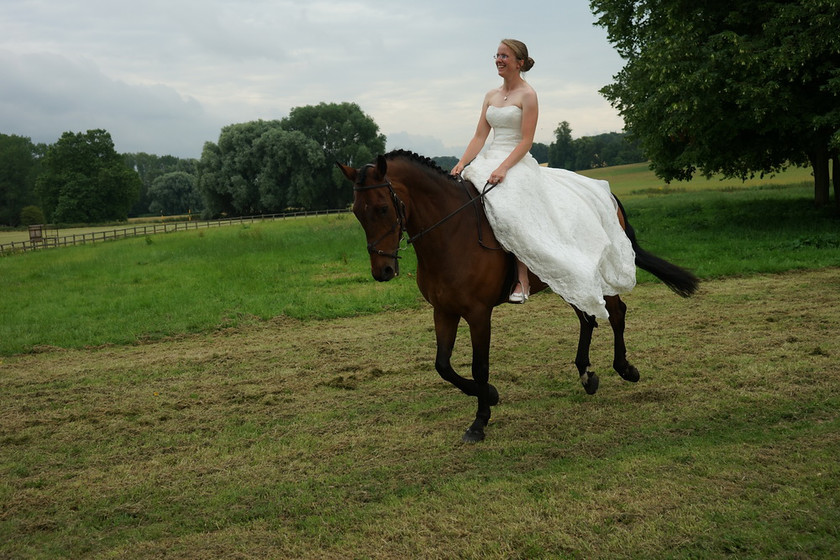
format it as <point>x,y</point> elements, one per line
<point>506,63</point>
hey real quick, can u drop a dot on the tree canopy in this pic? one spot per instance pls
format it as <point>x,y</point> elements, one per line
<point>588,152</point>
<point>345,134</point>
<point>85,180</point>
<point>740,88</point>
<point>19,166</point>
<point>150,167</point>
<point>270,166</point>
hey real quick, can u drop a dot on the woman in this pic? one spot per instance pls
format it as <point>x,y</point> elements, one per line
<point>560,225</point>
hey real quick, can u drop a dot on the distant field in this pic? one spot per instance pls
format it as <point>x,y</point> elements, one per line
<point>636,179</point>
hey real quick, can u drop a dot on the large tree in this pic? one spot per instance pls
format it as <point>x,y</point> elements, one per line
<point>175,193</point>
<point>269,166</point>
<point>19,164</point>
<point>346,135</point>
<point>85,180</point>
<point>257,167</point>
<point>741,87</point>
<point>561,152</point>
<point>149,167</point>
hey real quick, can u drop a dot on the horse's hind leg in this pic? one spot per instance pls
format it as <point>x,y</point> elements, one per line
<point>588,379</point>
<point>618,312</point>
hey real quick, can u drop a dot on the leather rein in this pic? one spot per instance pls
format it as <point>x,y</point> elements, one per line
<point>399,224</point>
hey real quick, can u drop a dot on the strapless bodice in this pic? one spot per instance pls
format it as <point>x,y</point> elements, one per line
<point>507,126</point>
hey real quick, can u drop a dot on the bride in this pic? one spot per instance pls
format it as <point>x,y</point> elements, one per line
<point>560,225</point>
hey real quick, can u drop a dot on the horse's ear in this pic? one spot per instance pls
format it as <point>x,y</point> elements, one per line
<point>348,172</point>
<point>381,165</point>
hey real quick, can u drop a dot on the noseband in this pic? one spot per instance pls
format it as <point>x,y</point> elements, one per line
<point>399,224</point>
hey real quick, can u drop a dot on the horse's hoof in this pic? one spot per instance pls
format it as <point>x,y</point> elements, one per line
<point>494,395</point>
<point>473,436</point>
<point>590,382</point>
<point>630,374</point>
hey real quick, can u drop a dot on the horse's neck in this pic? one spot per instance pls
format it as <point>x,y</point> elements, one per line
<point>431,200</point>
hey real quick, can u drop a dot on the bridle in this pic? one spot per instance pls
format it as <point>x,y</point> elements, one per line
<point>399,224</point>
<point>399,209</point>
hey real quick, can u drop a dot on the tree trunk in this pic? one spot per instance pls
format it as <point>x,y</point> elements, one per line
<point>819,160</point>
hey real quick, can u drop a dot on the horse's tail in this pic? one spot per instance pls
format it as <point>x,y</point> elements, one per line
<point>678,279</point>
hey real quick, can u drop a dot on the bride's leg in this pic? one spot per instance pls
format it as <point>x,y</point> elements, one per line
<point>522,270</point>
<point>522,288</point>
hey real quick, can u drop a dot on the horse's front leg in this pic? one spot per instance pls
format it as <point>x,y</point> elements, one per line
<point>618,312</point>
<point>446,329</point>
<point>588,379</point>
<point>487,394</point>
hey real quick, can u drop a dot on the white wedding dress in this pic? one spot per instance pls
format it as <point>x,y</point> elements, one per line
<point>562,225</point>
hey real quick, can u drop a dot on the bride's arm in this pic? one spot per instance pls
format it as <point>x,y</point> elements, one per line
<point>530,113</point>
<point>482,131</point>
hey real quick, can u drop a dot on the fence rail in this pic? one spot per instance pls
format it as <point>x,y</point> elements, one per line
<point>51,241</point>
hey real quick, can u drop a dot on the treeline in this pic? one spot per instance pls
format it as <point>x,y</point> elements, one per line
<point>587,152</point>
<point>254,167</point>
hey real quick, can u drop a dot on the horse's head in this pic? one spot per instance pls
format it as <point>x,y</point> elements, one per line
<point>382,215</point>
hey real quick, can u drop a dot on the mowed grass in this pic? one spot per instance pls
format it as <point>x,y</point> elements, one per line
<point>335,438</point>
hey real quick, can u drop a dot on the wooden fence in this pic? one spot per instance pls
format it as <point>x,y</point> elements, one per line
<point>48,237</point>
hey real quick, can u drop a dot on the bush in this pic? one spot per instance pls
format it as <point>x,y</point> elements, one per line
<point>31,215</point>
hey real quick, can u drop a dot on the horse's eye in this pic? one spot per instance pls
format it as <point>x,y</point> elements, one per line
<point>382,210</point>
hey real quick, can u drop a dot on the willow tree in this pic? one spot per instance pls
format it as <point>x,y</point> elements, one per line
<point>740,87</point>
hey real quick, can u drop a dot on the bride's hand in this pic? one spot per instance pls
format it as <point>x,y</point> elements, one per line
<point>457,169</point>
<point>497,176</point>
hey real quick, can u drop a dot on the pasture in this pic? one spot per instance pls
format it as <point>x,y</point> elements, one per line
<point>251,393</point>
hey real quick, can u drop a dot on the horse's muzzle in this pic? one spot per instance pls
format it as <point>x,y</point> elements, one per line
<point>384,273</point>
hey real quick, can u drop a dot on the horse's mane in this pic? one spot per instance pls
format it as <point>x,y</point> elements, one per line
<point>417,158</point>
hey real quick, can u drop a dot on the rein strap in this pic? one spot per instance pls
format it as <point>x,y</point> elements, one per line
<point>487,188</point>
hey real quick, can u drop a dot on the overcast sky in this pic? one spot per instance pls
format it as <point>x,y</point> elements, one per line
<point>164,76</point>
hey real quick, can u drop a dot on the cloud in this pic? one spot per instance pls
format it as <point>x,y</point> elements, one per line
<point>164,77</point>
<point>44,95</point>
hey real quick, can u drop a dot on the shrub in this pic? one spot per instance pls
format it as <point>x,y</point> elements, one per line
<point>31,215</point>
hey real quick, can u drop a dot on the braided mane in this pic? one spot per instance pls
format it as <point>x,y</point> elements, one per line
<point>417,158</point>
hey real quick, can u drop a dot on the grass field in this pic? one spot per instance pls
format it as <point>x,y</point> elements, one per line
<point>250,392</point>
<point>336,439</point>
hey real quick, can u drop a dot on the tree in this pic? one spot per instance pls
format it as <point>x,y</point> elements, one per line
<point>345,134</point>
<point>561,152</point>
<point>149,167</point>
<point>85,180</point>
<point>175,193</point>
<point>445,162</point>
<point>539,151</point>
<point>739,88</point>
<point>259,167</point>
<point>19,165</point>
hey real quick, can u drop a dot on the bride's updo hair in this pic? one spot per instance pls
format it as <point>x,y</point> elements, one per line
<point>521,52</point>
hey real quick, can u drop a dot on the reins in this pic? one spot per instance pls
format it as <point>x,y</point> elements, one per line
<point>487,188</point>
<point>399,225</point>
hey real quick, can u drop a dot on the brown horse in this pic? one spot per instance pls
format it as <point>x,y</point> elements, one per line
<point>462,271</point>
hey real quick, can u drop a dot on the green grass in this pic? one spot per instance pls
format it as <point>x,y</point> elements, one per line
<point>149,287</point>
<point>187,282</point>
<point>637,180</point>
<point>250,392</point>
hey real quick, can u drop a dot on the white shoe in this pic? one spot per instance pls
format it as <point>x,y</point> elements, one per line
<point>518,297</point>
